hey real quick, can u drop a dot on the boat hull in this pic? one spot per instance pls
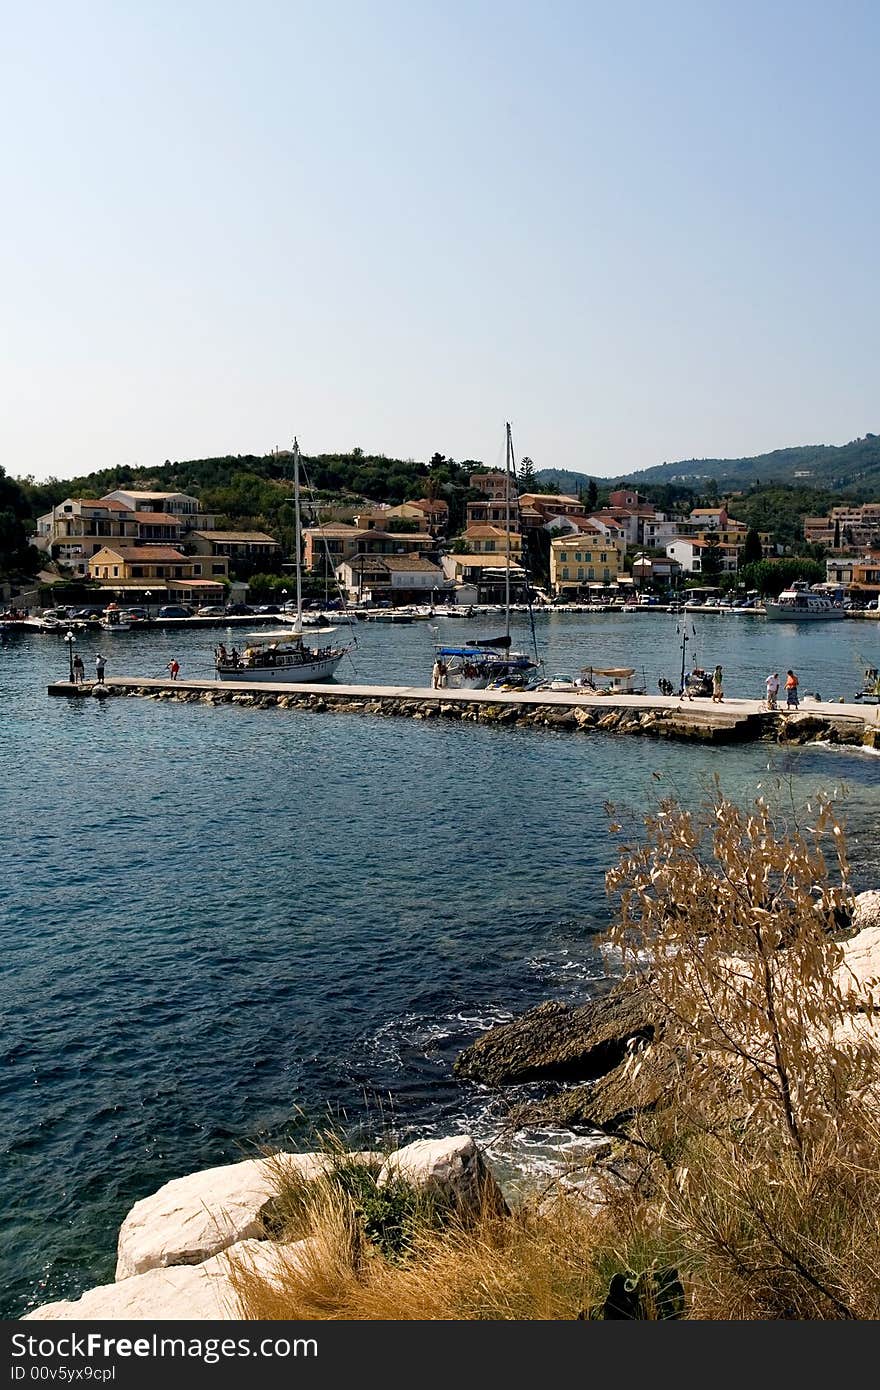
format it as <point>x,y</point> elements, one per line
<point>775,614</point>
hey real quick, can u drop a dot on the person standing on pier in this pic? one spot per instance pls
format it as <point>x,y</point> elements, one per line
<point>717,689</point>
<point>99,669</point>
<point>79,670</point>
<point>174,668</point>
<point>791,690</point>
<point>772,684</point>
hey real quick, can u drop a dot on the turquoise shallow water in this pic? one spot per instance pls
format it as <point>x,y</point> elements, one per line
<point>219,925</point>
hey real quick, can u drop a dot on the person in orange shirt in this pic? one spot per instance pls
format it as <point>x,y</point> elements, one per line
<point>791,690</point>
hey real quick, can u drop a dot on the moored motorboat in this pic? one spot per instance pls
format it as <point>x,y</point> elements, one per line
<point>800,604</point>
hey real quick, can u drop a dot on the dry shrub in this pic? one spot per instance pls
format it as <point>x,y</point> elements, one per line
<point>763,1164</point>
<point>535,1264</point>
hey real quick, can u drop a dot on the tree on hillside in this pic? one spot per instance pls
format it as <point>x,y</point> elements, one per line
<point>592,494</point>
<point>17,556</point>
<point>527,474</point>
<point>752,551</point>
<point>711,559</point>
<point>837,533</point>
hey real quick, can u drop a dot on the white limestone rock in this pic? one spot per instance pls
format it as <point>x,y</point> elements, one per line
<point>453,1169</point>
<point>192,1218</point>
<point>866,910</point>
<point>183,1292</point>
<point>862,961</point>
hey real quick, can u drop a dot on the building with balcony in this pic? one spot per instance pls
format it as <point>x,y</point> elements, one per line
<point>398,579</point>
<point>491,540</point>
<point>578,561</point>
<point>483,578</point>
<point>131,571</point>
<point>342,541</point>
<point>250,547</point>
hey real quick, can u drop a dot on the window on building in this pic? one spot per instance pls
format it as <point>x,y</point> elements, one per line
<point>115,571</point>
<point>137,571</point>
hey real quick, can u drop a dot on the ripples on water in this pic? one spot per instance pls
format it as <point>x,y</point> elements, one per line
<point>222,926</point>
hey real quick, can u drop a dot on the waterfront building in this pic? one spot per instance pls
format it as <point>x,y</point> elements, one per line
<point>131,571</point>
<point>482,578</point>
<point>577,561</point>
<point>400,579</point>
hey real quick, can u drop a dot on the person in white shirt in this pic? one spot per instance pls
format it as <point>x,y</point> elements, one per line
<point>772,684</point>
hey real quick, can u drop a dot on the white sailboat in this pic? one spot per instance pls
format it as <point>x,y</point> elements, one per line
<point>489,662</point>
<point>282,657</point>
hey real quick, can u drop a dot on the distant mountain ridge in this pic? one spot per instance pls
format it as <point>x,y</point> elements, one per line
<point>853,467</point>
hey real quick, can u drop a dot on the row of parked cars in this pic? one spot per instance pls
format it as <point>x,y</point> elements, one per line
<point>94,611</point>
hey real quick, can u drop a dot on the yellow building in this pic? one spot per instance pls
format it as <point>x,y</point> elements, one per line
<point>580,560</point>
<point>163,571</point>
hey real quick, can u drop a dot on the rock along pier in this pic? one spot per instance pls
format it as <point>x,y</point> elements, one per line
<point>658,716</point>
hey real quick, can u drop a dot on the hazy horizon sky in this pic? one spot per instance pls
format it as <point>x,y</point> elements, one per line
<point>639,232</point>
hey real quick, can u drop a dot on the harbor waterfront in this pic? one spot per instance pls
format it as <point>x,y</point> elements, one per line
<point>221,927</point>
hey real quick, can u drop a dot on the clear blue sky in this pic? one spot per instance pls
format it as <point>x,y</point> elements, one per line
<point>638,231</point>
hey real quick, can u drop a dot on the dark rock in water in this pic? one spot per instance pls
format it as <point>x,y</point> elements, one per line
<point>610,1101</point>
<point>554,1042</point>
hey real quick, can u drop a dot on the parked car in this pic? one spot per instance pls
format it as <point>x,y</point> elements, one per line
<point>269,608</point>
<point>92,610</point>
<point>211,610</point>
<point>175,610</point>
<point>239,609</point>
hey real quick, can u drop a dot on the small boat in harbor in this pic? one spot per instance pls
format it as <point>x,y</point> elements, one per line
<point>801,604</point>
<point>480,665</point>
<point>114,620</point>
<point>870,691</point>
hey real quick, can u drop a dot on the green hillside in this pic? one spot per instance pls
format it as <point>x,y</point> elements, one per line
<point>852,469</point>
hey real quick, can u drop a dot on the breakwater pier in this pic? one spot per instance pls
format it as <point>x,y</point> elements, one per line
<point>733,720</point>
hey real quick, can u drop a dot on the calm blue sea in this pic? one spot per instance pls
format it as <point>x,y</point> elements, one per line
<point>222,927</point>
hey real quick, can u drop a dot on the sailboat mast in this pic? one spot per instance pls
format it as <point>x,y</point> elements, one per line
<point>509,455</point>
<point>298,525</point>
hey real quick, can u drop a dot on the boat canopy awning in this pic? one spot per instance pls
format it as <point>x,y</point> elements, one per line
<point>475,652</point>
<point>493,641</point>
<point>610,670</point>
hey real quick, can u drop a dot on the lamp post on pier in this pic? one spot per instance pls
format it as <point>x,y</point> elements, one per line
<point>70,639</point>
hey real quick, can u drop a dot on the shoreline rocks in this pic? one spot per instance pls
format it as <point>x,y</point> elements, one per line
<point>178,1247</point>
<point>582,1052</point>
<point>189,1219</point>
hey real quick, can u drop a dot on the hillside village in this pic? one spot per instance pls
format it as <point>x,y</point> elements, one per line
<point>457,543</point>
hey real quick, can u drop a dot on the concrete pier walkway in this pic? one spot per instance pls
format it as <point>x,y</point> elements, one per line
<point>669,716</point>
